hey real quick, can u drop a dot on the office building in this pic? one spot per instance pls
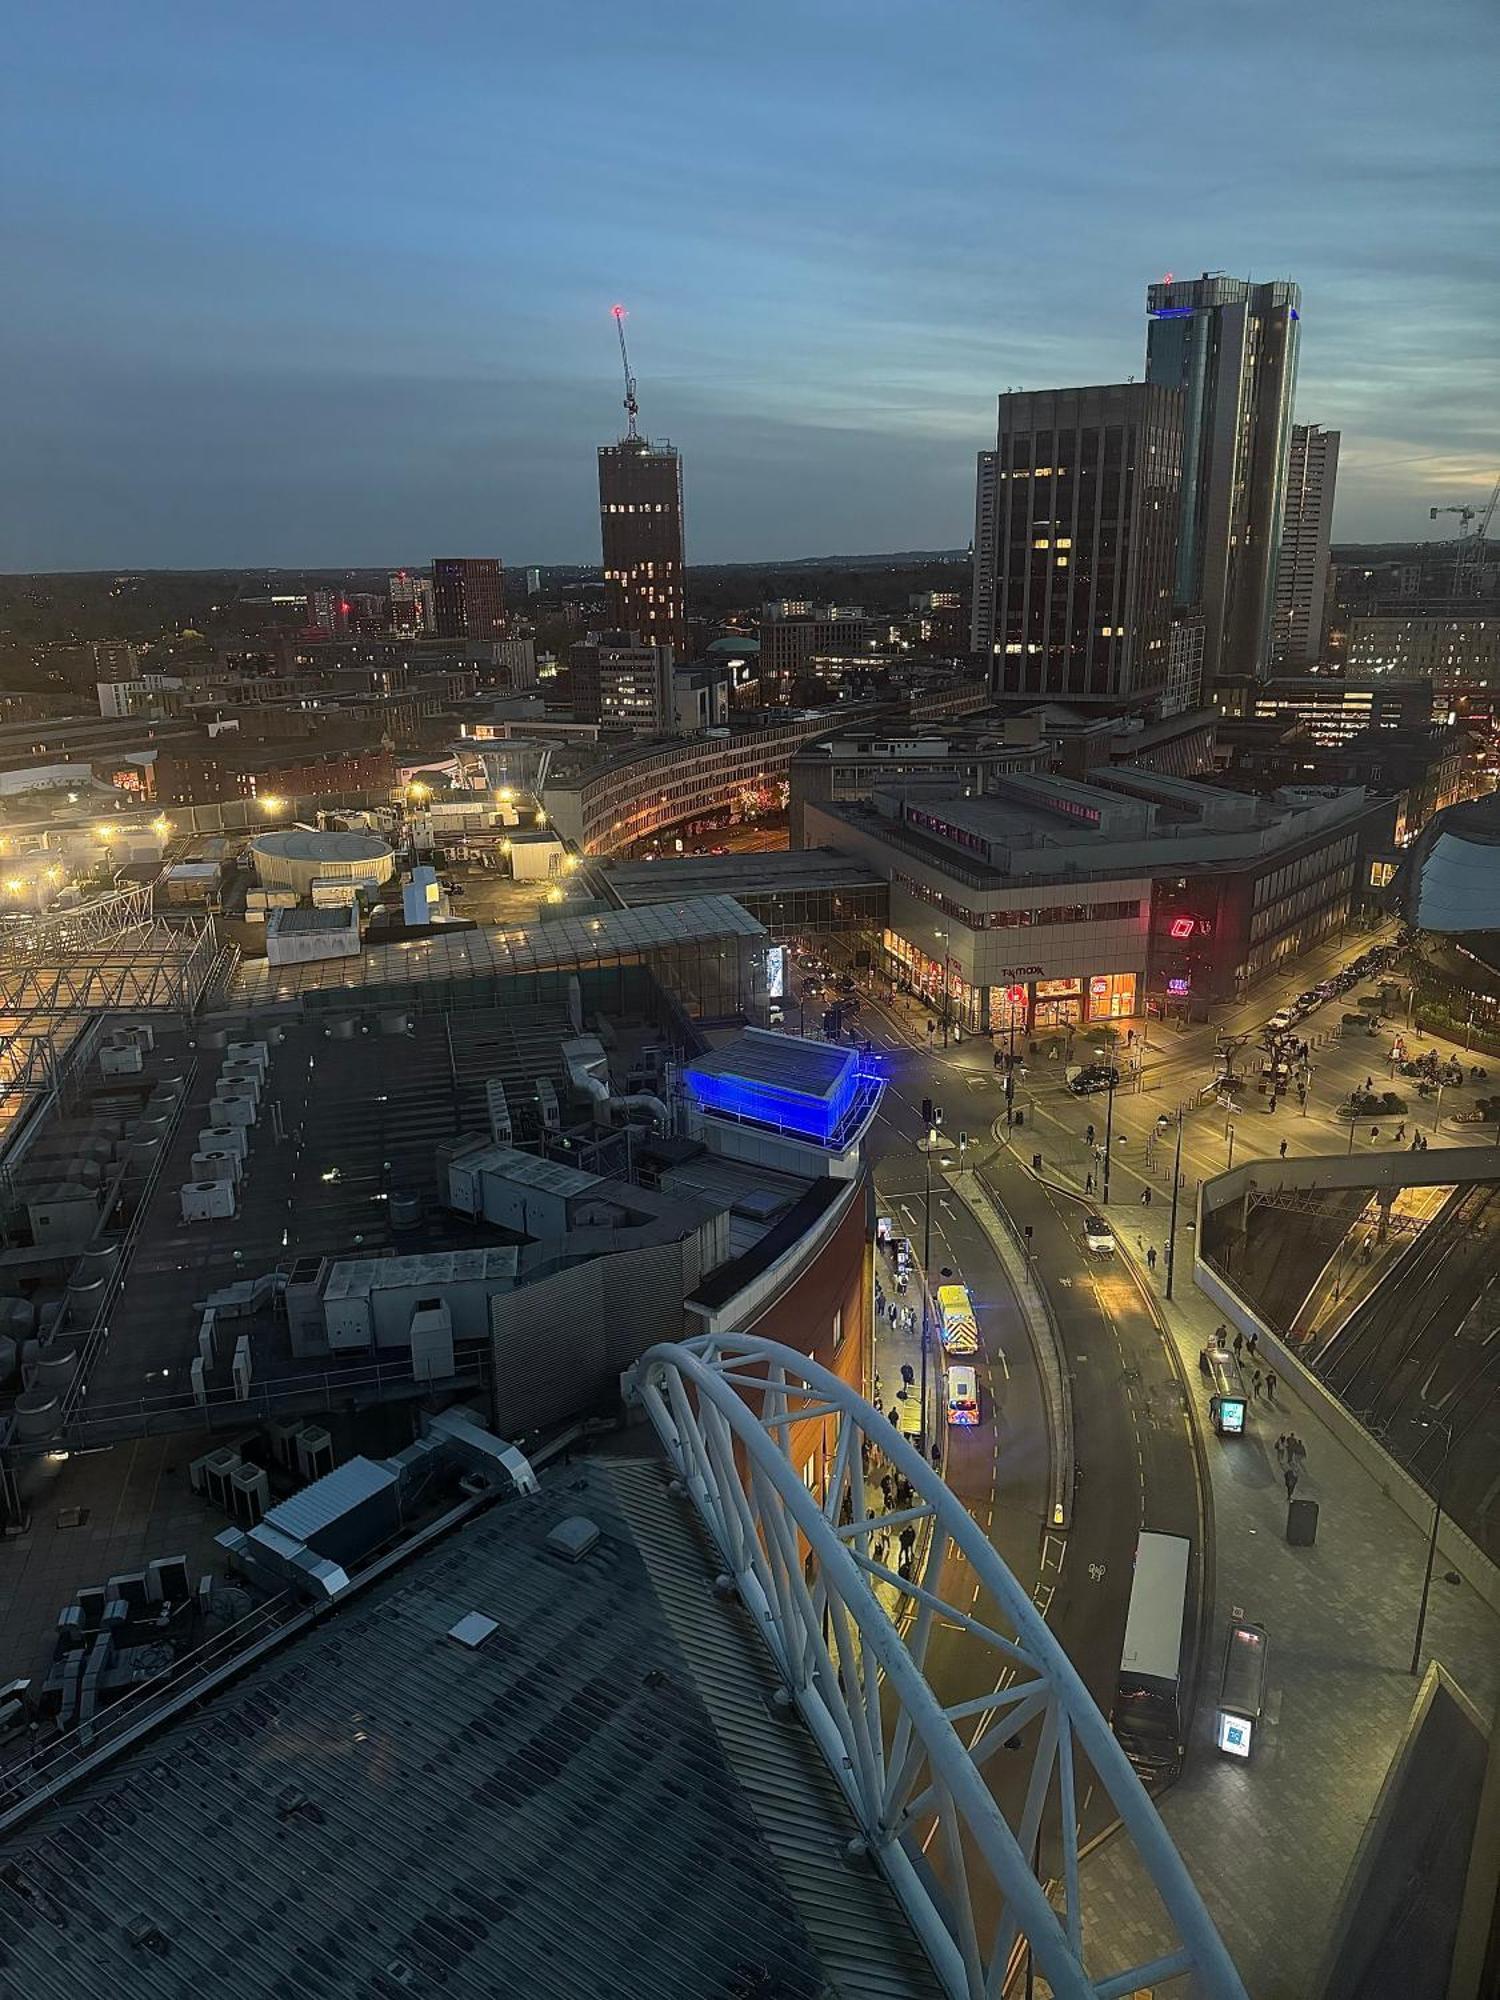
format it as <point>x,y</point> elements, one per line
<point>802,640</point>
<point>411,602</point>
<point>468,597</point>
<point>622,683</point>
<point>1230,347</point>
<point>1456,646</point>
<point>640,530</point>
<point>1075,531</point>
<point>1302,570</point>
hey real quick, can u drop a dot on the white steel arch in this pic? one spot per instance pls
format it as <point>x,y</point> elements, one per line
<point>724,1407</point>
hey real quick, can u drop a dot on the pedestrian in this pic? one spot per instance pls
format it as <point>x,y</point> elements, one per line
<point>937,1457</point>
<point>881,1550</point>
<point>1088,1137</point>
<point>894,1414</point>
<point>1283,1149</point>
<point>908,1374</point>
<point>1290,1476</point>
<point>1151,1258</point>
<point>1239,1341</point>
<point>1145,1197</point>
<point>1270,1385</point>
<point>1255,1383</point>
<point>1252,1343</point>
<point>1296,1451</point>
<point>1088,1183</point>
<point>1369,1083</point>
<point>1203,1361</point>
<point>885,1490</point>
<point>908,1539</point>
<point>1400,1132</point>
<point>1374,1133</point>
<point>1281,1449</point>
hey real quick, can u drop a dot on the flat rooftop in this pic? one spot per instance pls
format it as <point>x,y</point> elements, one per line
<point>597,1799</point>
<point>637,883</point>
<point>558,945</point>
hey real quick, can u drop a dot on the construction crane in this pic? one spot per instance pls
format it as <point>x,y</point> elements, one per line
<point>632,407</point>
<point>1468,550</point>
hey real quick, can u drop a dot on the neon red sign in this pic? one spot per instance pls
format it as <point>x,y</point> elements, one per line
<point>1183,927</point>
<point>1016,995</point>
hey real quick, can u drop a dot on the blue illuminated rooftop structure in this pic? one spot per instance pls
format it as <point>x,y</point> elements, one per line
<point>1179,312</point>
<point>807,1090</point>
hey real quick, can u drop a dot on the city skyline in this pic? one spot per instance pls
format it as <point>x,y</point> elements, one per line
<point>293,298</point>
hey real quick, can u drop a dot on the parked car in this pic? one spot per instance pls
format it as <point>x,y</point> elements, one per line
<point>1094,1077</point>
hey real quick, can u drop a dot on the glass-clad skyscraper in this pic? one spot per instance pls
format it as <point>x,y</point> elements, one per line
<point>1231,348</point>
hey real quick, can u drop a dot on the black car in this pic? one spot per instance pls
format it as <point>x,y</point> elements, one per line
<point>1098,1076</point>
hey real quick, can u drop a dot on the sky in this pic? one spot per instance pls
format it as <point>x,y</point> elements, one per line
<point>328,283</point>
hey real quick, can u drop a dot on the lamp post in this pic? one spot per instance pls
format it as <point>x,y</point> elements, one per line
<point>945,934</point>
<point>1109,1134</point>
<point>1229,1135</point>
<point>1172,1223</point>
<point>1432,1539</point>
<point>926,1272</point>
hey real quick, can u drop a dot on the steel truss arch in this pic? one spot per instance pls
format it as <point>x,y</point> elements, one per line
<point>725,1407</point>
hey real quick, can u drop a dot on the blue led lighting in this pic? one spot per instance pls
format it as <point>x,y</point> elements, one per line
<point>1295,313</point>
<point>816,1118</point>
<point>1177,312</point>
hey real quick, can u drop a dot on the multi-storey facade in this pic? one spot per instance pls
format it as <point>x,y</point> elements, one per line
<point>1302,568</point>
<point>1075,532</point>
<point>622,683</point>
<point>812,639</point>
<point>468,598</point>
<point>640,532</point>
<point>411,602</point>
<point>1230,348</point>
<point>1455,648</point>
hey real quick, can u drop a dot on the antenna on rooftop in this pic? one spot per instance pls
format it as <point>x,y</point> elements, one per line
<point>632,407</point>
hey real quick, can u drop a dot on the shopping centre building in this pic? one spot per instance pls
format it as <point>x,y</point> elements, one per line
<point>1047,903</point>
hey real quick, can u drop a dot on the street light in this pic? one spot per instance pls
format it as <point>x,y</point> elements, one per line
<point>1109,1134</point>
<point>1172,1224</point>
<point>1229,1135</point>
<point>932,1139</point>
<point>945,934</point>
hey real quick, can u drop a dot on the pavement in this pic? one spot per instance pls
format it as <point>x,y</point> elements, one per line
<point>1269,1842</point>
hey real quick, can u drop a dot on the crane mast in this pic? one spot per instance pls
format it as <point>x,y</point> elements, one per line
<point>1469,549</point>
<point>632,408</point>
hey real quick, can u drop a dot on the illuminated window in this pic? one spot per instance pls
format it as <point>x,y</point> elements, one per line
<point>1065,542</point>
<point>1040,544</point>
<point>1062,562</point>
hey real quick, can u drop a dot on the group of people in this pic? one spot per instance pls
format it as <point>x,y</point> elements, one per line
<point>897,1496</point>
<point>1291,1456</point>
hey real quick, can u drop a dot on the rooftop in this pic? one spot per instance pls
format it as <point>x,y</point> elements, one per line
<point>558,945</point>
<point>636,883</point>
<point>596,1798</point>
<point>297,843</point>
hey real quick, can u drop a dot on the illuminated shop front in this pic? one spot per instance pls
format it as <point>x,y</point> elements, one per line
<point>1027,1001</point>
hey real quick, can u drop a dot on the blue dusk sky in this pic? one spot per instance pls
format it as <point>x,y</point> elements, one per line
<point>327,283</point>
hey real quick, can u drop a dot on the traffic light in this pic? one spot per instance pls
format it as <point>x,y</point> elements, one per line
<point>963,1140</point>
<point>937,1115</point>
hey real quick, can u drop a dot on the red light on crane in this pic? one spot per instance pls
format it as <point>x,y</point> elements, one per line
<point>618,311</point>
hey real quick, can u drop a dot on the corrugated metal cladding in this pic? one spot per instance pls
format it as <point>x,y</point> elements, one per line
<point>553,1815</point>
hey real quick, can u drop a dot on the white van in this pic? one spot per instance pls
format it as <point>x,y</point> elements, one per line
<point>963,1396</point>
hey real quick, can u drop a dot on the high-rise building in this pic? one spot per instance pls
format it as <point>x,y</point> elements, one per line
<point>822,640</point>
<point>468,598</point>
<point>1231,348</point>
<point>411,602</point>
<point>1302,570</point>
<point>1074,539</point>
<point>622,683</point>
<point>640,527</point>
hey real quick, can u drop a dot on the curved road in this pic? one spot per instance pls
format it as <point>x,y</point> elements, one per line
<point>1133,1442</point>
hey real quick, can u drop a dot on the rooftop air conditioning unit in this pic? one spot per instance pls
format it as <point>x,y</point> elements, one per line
<point>211,1474</point>
<point>249,1495</point>
<point>314,1452</point>
<point>547,1105</point>
<point>202,1201</point>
